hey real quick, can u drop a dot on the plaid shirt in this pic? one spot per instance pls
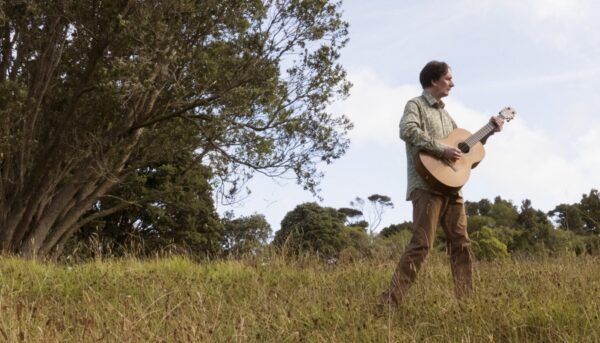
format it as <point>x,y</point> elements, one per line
<point>424,122</point>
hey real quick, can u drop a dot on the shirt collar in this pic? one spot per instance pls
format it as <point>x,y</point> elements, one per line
<point>433,102</point>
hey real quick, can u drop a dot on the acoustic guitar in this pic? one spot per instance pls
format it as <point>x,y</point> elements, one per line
<point>449,176</point>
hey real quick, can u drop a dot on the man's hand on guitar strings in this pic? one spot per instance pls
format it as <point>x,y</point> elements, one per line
<point>451,153</point>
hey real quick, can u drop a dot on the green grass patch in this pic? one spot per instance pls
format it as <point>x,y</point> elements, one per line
<point>278,300</point>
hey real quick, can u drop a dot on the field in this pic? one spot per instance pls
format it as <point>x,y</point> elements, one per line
<point>174,299</point>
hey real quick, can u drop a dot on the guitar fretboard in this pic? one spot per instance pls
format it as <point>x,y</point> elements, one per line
<point>479,135</point>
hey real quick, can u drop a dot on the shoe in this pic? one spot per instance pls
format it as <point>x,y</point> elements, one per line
<point>379,310</point>
<point>385,302</point>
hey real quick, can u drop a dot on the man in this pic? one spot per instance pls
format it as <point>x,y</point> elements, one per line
<point>425,121</point>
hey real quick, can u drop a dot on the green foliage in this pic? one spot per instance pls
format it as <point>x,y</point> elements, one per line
<point>312,228</point>
<point>173,206</point>
<point>562,242</point>
<point>510,237</point>
<point>503,212</point>
<point>349,214</point>
<point>588,244</point>
<point>590,211</point>
<point>476,222</point>
<point>352,217</point>
<point>245,235</point>
<point>356,245</point>
<point>363,224</point>
<point>528,231</point>
<point>389,248</point>
<point>582,217</point>
<point>395,228</point>
<point>384,200</point>
<point>568,217</point>
<point>481,208</point>
<point>535,225</point>
<point>487,246</point>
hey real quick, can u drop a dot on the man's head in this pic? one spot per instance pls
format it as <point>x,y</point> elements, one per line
<point>436,77</point>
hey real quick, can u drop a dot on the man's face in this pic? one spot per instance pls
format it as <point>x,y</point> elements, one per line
<point>441,87</point>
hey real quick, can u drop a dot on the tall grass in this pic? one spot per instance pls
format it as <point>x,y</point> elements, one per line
<point>277,299</point>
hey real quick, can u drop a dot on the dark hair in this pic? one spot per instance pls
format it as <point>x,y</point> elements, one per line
<point>432,71</point>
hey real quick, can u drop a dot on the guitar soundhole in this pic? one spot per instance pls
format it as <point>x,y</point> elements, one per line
<point>464,147</point>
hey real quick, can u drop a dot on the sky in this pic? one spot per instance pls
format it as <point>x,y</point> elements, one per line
<point>541,57</point>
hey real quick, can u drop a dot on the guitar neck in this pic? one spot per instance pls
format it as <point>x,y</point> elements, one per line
<point>507,113</point>
<point>479,135</point>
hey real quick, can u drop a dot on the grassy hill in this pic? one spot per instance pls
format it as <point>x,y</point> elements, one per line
<point>273,299</point>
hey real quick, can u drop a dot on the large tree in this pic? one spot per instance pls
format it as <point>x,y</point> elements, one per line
<point>172,209</point>
<point>90,91</point>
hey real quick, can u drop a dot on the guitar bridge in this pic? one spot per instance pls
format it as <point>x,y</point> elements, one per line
<point>450,164</point>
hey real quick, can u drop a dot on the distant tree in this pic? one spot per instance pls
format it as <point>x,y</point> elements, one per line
<point>582,217</point>
<point>351,215</point>
<point>471,208</point>
<point>480,208</point>
<point>589,207</point>
<point>503,212</point>
<point>362,224</point>
<point>568,218</point>
<point>310,227</point>
<point>535,225</point>
<point>374,211</point>
<point>245,235</point>
<point>393,229</point>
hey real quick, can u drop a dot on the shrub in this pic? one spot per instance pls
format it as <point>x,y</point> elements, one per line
<point>311,228</point>
<point>486,246</point>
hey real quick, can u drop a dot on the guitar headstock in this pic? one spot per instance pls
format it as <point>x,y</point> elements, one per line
<point>508,113</point>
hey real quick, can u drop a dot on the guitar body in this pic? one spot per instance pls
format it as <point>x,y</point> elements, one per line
<point>445,176</point>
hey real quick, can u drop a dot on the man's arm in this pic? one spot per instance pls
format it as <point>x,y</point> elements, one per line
<point>411,131</point>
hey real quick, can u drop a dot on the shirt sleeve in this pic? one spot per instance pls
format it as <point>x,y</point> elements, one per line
<point>411,131</point>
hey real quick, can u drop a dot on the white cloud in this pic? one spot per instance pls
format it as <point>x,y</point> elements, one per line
<point>541,80</point>
<point>558,12</point>
<point>375,108</point>
<point>558,23</point>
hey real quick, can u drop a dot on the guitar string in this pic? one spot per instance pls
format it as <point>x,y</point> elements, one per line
<point>477,136</point>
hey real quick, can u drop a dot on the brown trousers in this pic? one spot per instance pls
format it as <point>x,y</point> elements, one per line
<point>429,210</point>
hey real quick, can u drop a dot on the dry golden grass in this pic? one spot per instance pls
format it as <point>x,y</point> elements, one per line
<point>278,300</point>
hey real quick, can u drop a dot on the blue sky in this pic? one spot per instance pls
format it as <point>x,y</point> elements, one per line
<point>540,56</point>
